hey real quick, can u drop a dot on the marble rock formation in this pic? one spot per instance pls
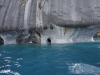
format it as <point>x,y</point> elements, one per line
<point>40,15</point>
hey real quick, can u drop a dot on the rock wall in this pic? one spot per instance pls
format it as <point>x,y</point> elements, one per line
<point>25,14</point>
<point>17,14</point>
<point>76,13</point>
<point>36,21</point>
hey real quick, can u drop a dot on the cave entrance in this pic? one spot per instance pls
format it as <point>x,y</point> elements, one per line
<point>1,41</point>
<point>49,40</point>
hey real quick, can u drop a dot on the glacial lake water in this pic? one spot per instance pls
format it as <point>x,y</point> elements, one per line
<point>50,59</point>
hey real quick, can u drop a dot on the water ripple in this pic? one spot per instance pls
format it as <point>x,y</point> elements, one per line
<point>20,59</point>
<point>81,68</point>
<point>9,72</point>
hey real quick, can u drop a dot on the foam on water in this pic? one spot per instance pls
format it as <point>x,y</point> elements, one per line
<point>81,68</point>
<point>9,72</point>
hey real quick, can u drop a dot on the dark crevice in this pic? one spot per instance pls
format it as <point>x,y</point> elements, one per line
<point>1,41</point>
<point>49,40</point>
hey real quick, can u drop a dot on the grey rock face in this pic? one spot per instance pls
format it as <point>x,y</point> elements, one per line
<point>52,21</point>
<point>25,14</point>
<point>73,13</point>
<point>17,14</point>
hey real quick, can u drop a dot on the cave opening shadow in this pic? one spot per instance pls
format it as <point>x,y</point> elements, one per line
<point>1,41</point>
<point>48,40</point>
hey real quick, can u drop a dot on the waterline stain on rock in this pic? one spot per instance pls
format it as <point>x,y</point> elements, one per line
<point>0,5</point>
<point>23,2</point>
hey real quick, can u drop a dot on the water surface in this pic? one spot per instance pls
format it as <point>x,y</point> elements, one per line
<point>50,59</point>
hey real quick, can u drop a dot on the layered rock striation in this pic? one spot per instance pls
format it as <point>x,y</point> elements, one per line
<point>28,20</point>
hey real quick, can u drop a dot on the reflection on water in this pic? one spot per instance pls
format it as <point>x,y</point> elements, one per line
<point>50,59</point>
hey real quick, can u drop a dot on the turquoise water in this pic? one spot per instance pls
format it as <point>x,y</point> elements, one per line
<point>50,59</point>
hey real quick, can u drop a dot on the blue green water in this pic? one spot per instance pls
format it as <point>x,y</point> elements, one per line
<point>50,59</point>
